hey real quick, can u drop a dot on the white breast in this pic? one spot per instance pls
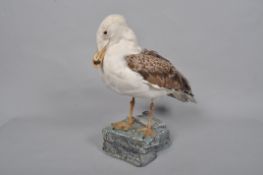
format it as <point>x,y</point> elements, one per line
<point>119,77</point>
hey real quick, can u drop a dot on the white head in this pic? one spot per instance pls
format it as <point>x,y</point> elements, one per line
<point>113,29</point>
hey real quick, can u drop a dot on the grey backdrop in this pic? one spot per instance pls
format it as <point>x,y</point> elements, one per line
<point>53,104</point>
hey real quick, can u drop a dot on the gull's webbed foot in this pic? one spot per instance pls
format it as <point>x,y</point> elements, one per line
<point>124,125</point>
<point>147,131</point>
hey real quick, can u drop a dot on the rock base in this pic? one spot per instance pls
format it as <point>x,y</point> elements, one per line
<point>131,146</point>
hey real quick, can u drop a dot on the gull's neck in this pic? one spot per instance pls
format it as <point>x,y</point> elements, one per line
<point>123,47</point>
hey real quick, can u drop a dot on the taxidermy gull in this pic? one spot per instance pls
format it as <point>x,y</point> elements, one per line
<point>130,70</point>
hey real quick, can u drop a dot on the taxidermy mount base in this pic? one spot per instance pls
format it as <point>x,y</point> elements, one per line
<point>132,146</point>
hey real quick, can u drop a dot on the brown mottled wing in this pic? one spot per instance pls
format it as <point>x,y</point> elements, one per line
<point>159,71</point>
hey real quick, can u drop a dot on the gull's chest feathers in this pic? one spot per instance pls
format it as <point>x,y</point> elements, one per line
<point>114,62</point>
<point>118,76</point>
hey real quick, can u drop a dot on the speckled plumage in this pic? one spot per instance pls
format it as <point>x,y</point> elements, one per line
<point>159,71</point>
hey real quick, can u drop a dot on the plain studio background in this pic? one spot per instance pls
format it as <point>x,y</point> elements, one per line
<point>53,104</point>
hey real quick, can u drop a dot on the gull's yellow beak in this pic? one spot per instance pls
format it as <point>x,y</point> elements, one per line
<point>98,57</point>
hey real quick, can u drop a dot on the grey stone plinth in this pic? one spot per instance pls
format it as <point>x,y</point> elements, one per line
<point>131,146</point>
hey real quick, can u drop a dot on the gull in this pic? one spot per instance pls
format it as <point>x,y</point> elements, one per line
<point>131,70</point>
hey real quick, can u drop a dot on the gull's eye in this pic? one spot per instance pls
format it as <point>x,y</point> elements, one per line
<point>105,32</point>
